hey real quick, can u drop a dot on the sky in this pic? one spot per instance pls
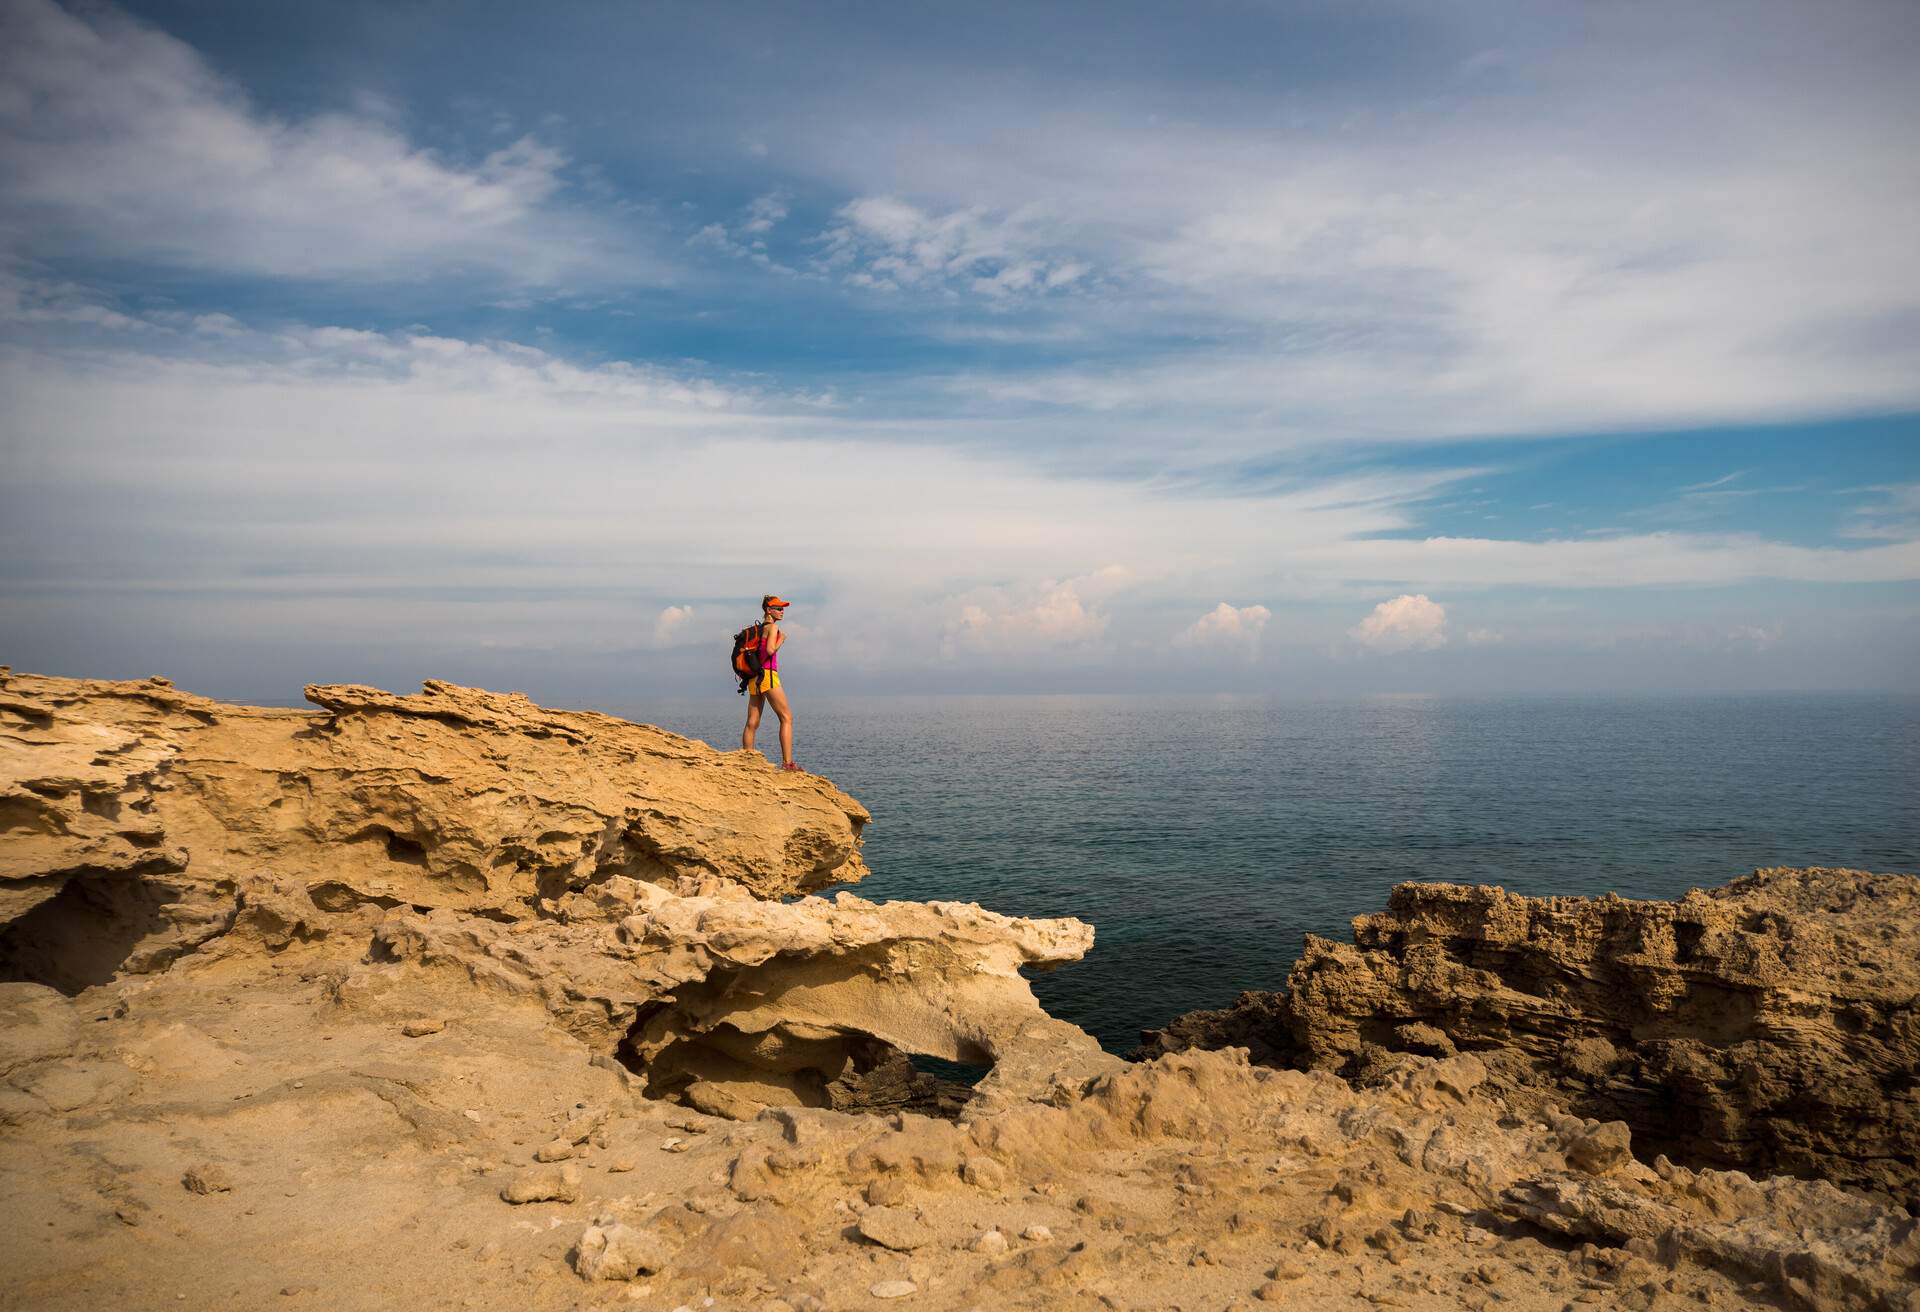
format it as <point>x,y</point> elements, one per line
<point>1286,347</point>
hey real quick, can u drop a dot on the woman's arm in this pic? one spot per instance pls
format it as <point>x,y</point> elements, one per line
<point>773,637</point>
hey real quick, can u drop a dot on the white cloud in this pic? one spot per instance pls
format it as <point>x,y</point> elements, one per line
<point>670,627</point>
<point>1226,628</point>
<point>1484,637</point>
<point>1711,483</point>
<point>116,138</point>
<point>1666,220</point>
<point>887,244</point>
<point>1757,636</point>
<point>764,213</point>
<point>1616,562</point>
<point>218,325</point>
<point>41,301</point>
<point>304,481</point>
<point>1018,621</point>
<point>748,239</point>
<point>1405,623</point>
<point>1891,514</point>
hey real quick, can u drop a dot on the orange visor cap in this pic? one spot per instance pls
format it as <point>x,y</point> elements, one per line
<point>774,603</point>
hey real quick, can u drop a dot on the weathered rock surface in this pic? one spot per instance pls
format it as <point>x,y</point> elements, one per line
<point>1771,1025</point>
<point>732,1004</point>
<point>614,873</point>
<point>613,1251</point>
<point>392,1018</point>
<point>145,801</point>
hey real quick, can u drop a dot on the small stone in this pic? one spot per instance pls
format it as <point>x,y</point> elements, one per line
<point>1271,1292</point>
<point>1601,1149</point>
<point>580,1128</point>
<point>555,1184</point>
<point>898,1228</point>
<point>559,1150</point>
<point>675,1146</point>
<point>421,1026</point>
<point>621,1165</point>
<point>1037,1234</point>
<point>887,1191</point>
<point>990,1242</point>
<point>618,1252</point>
<point>894,1289</point>
<point>207,1178</point>
<point>984,1173</point>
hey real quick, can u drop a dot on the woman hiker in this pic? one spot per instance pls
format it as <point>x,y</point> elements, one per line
<point>764,690</point>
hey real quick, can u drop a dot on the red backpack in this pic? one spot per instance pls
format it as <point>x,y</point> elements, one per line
<point>748,655</point>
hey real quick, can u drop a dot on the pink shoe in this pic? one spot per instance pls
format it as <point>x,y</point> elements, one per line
<point>791,766</point>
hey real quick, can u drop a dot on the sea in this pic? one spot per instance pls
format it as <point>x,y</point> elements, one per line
<point>1203,836</point>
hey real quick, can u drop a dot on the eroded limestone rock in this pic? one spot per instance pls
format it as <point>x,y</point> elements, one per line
<point>1771,1025</point>
<point>734,1004</point>
<point>622,877</point>
<point>609,1250</point>
<point>143,806</point>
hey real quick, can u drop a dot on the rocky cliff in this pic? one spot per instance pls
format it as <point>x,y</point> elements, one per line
<point>455,1001</point>
<point>626,877</point>
<point>1772,1025</point>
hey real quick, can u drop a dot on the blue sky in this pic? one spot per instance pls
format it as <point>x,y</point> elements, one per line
<point>1288,347</point>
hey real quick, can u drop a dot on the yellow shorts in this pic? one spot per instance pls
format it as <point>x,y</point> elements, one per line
<point>765,681</point>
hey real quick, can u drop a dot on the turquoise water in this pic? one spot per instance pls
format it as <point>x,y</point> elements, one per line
<point>1203,836</point>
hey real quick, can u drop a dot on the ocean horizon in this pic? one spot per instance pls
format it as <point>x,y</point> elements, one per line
<point>1204,835</point>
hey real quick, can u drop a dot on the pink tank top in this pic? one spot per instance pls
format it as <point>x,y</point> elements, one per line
<point>772,661</point>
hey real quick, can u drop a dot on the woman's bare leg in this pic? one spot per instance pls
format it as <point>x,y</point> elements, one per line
<point>777,697</point>
<point>754,703</point>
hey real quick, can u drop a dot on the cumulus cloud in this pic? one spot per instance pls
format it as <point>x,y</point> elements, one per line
<point>1411,622</point>
<point>1226,628</point>
<point>116,138</point>
<point>670,627</point>
<point>1039,617</point>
